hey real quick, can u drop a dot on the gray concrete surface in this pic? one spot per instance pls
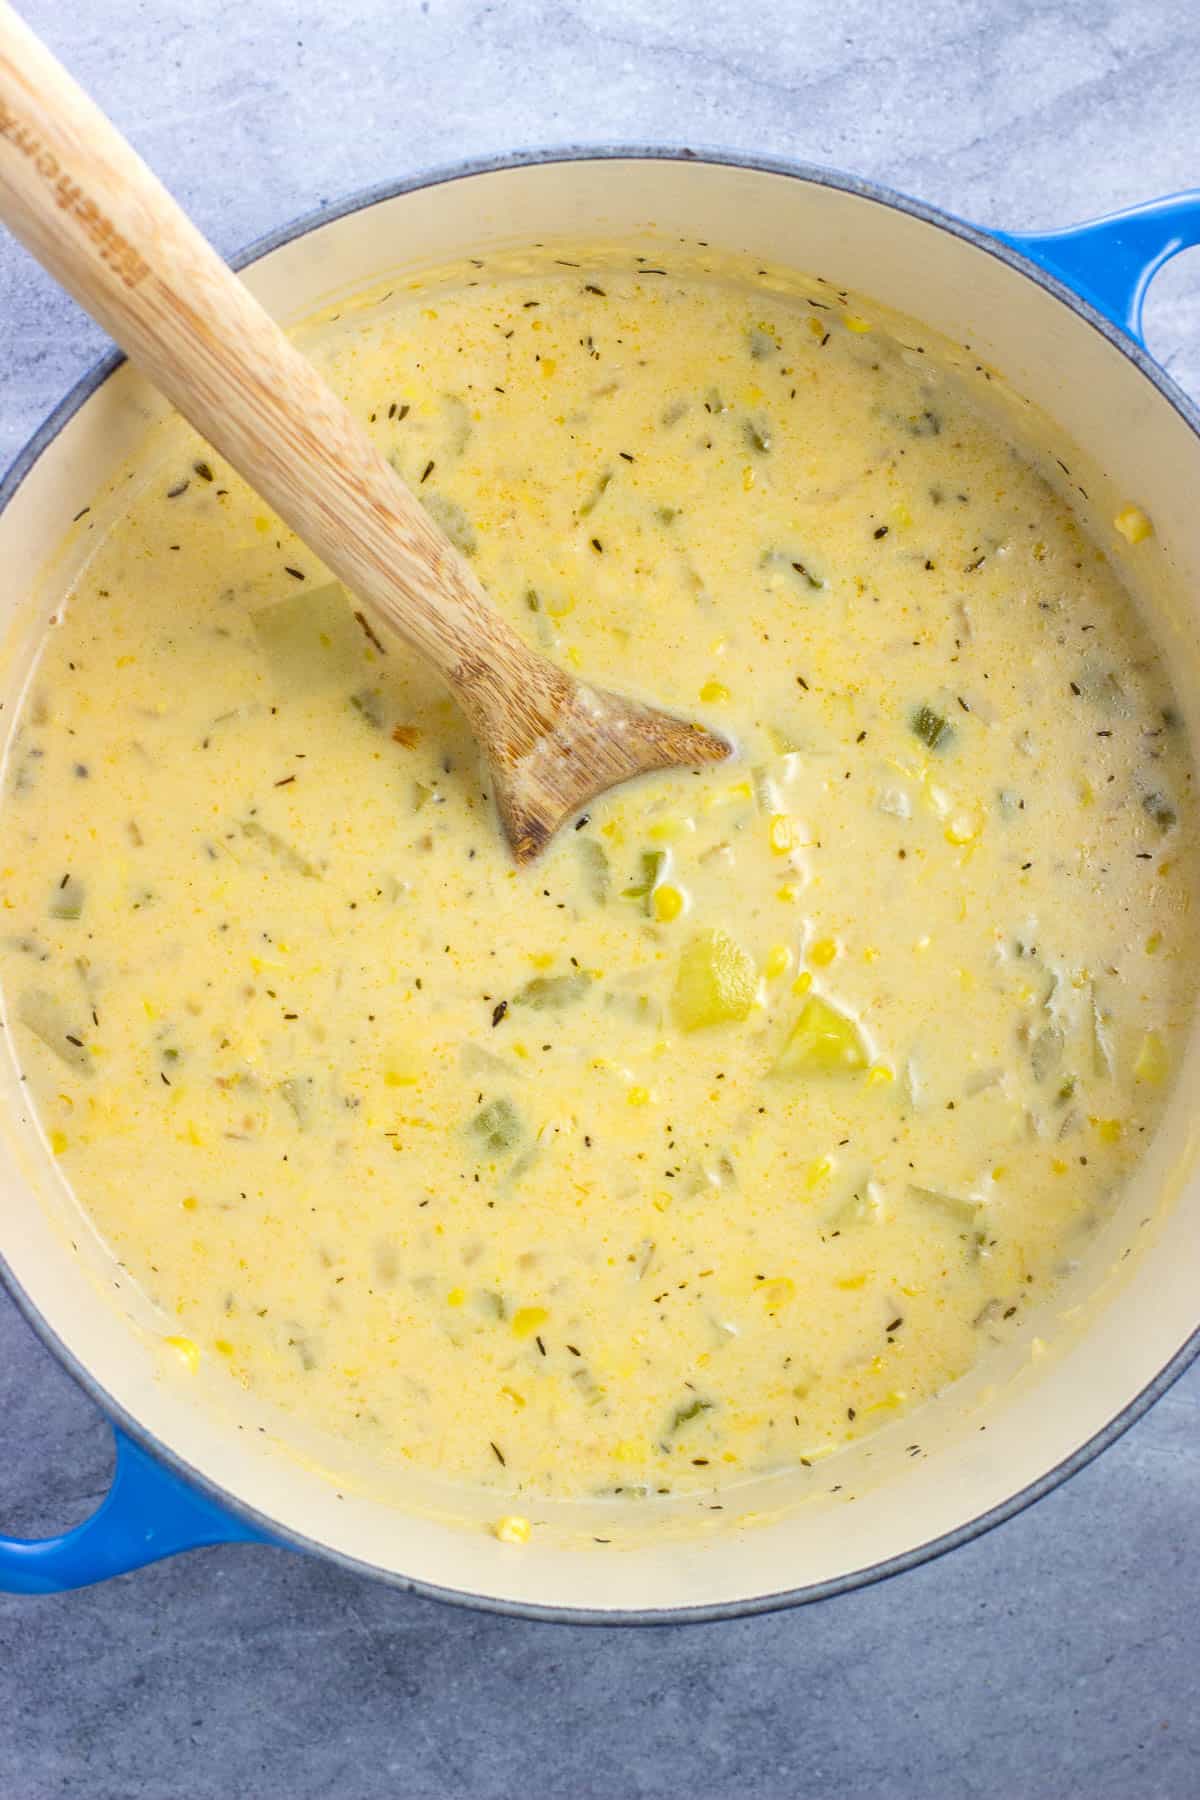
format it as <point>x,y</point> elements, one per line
<point>1055,1657</point>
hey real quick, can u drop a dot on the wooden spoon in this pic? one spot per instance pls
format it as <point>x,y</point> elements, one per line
<point>88,208</point>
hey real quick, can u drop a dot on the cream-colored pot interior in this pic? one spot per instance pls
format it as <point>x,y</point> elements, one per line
<point>1000,1432</point>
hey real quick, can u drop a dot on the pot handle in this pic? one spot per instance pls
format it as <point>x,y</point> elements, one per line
<point>148,1513</point>
<point>1112,261</point>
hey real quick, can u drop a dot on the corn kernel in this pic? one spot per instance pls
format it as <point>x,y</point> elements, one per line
<point>456,1296</point>
<point>780,834</point>
<point>823,952</point>
<point>223,1345</point>
<point>189,1203</point>
<point>187,1352</point>
<point>787,892</point>
<point>897,1397</point>
<point>58,1142</point>
<point>747,478</point>
<point>737,790</point>
<point>852,322</point>
<point>638,1096</point>
<point>880,1075</point>
<point>1133,524</point>
<point>779,961</point>
<point>668,902</point>
<point>818,1171</point>
<point>1107,1130</point>
<point>512,1529</point>
<point>527,1319</point>
<point>549,364</point>
<point>802,982</point>
<point>713,691</point>
<point>1058,1165</point>
<point>778,1292</point>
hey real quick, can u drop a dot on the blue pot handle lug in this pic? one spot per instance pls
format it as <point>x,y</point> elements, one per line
<point>148,1513</point>
<point>1112,261</point>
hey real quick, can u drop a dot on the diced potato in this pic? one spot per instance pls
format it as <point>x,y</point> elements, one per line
<point>823,1041</point>
<point>313,640</point>
<point>286,854</point>
<point>716,982</point>
<point>962,1211</point>
<point>1152,1062</point>
<point>66,902</point>
<point>48,1019</point>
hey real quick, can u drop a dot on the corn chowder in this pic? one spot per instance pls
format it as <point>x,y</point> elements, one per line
<point>773,1095</point>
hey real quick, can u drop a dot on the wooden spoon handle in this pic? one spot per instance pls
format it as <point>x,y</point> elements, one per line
<point>90,210</point>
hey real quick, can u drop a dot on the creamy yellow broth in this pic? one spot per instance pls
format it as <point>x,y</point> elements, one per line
<point>774,1095</point>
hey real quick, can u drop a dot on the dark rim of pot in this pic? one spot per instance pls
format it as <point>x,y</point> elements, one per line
<point>283,1536</point>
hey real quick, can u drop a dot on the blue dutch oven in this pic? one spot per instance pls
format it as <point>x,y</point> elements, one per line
<point>1059,315</point>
